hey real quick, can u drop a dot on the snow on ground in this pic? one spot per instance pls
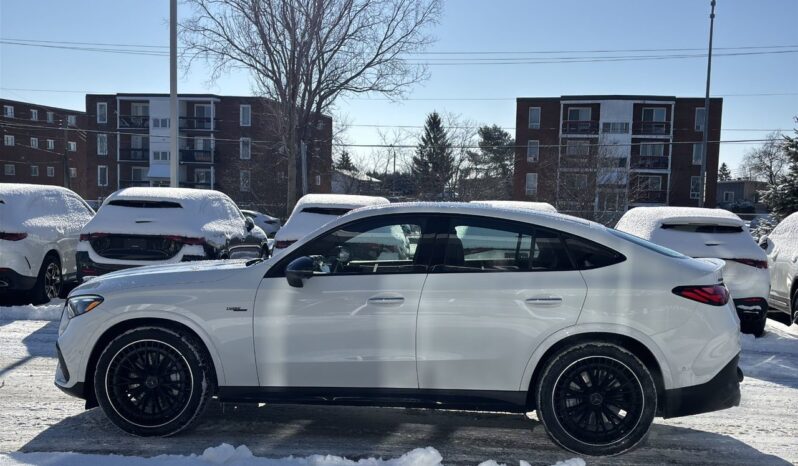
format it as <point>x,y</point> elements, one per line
<point>49,311</point>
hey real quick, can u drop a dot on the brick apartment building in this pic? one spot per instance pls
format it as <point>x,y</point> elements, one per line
<point>597,156</point>
<point>226,143</point>
<point>35,139</point>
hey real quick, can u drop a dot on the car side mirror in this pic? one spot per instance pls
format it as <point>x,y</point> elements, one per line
<point>764,242</point>
<point>249,223</point>
<point>298,270</point>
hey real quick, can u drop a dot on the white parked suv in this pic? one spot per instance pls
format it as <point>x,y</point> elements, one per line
<point>714,233</point>
<point>270,225</point>
<point>597,330</point>
<point>781,246</point>
<point>152,226</point>
<point>314,210</point>
<point>39,229</point>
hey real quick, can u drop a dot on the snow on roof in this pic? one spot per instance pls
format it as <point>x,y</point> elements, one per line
<point>357,175</point>
<point>787,227</point>
<point>538,206</point>
<point>644,221</point>
<point>343,201</point>
<point>21,189</point>
<point>166,194</point>
<point>47,211</point>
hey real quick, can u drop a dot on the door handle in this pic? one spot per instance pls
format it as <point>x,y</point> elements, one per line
<point>544,300</point>
<point>386,300</point>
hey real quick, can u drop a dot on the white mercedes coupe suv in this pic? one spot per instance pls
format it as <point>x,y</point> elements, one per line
<point>490,309</point>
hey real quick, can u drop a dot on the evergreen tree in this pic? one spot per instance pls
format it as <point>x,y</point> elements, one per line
<point>345,163</point>
<point>433,165</point>
<point>782,196</point>
<point>493,163</point>
<point>724,174</point>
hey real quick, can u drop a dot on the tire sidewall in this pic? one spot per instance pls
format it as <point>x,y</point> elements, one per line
<point>39,295</point>
<point>194,359</point>
<point>560,363</point>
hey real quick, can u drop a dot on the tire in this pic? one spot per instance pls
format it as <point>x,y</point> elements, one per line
<point>573,412</point>
<point>756,327</point>
<point>49,282</point>
<point>180,390</point>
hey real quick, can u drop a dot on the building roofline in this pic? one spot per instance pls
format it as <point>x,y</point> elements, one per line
<point>615,97</point>
<point>48,107</point>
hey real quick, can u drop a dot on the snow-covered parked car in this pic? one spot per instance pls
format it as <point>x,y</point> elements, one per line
<point>711,233</point>
<point>265,222</point>
<point>39,230</point>
<point>538,206</point>
<point>781,246</point>
<point>151,226</point>
<point>314,210</point>
<point>597,330</point>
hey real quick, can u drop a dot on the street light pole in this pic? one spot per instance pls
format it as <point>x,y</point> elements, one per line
<point>705,142</point>
<point>174,120</point>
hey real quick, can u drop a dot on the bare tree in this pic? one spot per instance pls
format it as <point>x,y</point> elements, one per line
<point>767,162</point>
<point>304,54</point>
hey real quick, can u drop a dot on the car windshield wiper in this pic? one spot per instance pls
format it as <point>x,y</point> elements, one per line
<point>254,261</point>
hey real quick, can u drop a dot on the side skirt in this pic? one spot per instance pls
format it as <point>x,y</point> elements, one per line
<point>472,400</point>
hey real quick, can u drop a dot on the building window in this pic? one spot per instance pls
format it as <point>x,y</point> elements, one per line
<point>654,114</point>
<point>34,116</point>
<point>649,183</point>
<point>575,183</point>
<point>652,150</point>
<point>34,143</point>
<point>245,115</point>
<point>698,153</point>
<point>34,170</point>
<point>695,187</point>
<point>10,169</point>
<point>531,184</point>
<point>728,196</point>
<point>102,144</point>
<point>577,148</point>
<point>202,176</point>
<point>245,148</point>
<point>102,112</point>
<point>534,117</point>
<point>73,172</point>
<point>50,144</point>
<point>8,140</point>
<point>699,119</point>
<point>50,117</point>
<point>160,156</point>
<point>72,120</point>
<point>8,111</point>
<point>72,146</point>
<point>616,127</point>
<point>532,151</point>
<point>51,171</point>
<point>243,177</point>
<point>102,175</point>
<point>318,180</point>
<point>160,122</point>
<point>579,114</point>
<point>138,173</point>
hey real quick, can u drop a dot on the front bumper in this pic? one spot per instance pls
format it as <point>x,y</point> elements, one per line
<point>10,280</point>
<point>721,392</point>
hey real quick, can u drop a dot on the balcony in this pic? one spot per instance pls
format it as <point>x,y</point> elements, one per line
<point>196,156</point>
<point>651,128</point>
<point>656,162</point>
<point>199,123</point>
<point>134,121</point>
<point>580,127</point>
<point>195,185</point>
<point>134,155</point>
<point>123,183</point>
<point>652,197</point>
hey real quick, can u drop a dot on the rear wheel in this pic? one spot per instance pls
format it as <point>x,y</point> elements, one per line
<point>596,399</point>
<point>153,381</point>
<point>754,327</point>
<point>794,312</point>
<point>49,281</point>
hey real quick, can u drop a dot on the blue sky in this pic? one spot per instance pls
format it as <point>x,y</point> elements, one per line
<point>467,25</point>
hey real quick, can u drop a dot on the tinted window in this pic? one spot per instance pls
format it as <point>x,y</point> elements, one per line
<point>702,228</point>
<point>146,204</point>
<point>368,248</point>
<point>589,255</point>
<point>326,210</point>
<point>476,245</point>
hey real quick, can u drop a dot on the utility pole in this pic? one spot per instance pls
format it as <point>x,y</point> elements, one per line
<point>393,150</point>
<point>174,119</point>
<point>702,197</point>
<point>303,148</point>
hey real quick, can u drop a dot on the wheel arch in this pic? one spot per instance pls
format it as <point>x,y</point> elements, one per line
<point>137,322</point>
<point>645,352</point>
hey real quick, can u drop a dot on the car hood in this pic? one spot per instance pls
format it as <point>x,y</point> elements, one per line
<point>164,275</point>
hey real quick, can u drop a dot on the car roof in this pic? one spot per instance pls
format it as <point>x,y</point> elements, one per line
<point>641,221</point>
<point>342,201</point>
<point>22,189</point>
<point>180,195</point>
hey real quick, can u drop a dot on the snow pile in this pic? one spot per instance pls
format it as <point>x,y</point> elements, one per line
<point>537,206</point>
<point>647,223</point>
<point>51,311</point>
<point>202,213</point>
<point>227,455</point>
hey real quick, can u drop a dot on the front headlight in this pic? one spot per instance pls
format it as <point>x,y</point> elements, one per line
<point>82,304</point>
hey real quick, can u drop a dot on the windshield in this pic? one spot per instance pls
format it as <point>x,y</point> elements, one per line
<point>647,244</point>
<point>146,204</point>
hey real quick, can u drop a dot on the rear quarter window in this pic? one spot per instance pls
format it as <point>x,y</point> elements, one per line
<point>587,255</point>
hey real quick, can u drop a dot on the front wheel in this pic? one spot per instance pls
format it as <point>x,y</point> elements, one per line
<point>153,381</point>
<point>596,399</point>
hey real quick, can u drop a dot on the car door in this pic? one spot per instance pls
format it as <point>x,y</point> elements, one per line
<point>353,323</point>
<point>495,291</point>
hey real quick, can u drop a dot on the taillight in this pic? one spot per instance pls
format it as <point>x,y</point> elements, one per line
<point>282,244</point>
<point>186,240</point>
<point>91,236</point>
<point>13,236</point>
<point>714,295</point>
<point>752,263</point>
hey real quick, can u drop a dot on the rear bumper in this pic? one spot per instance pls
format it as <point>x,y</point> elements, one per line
<point>10,280</point>
<point>90,268</point>
<point>721,392</point>
<point>751,309</point>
